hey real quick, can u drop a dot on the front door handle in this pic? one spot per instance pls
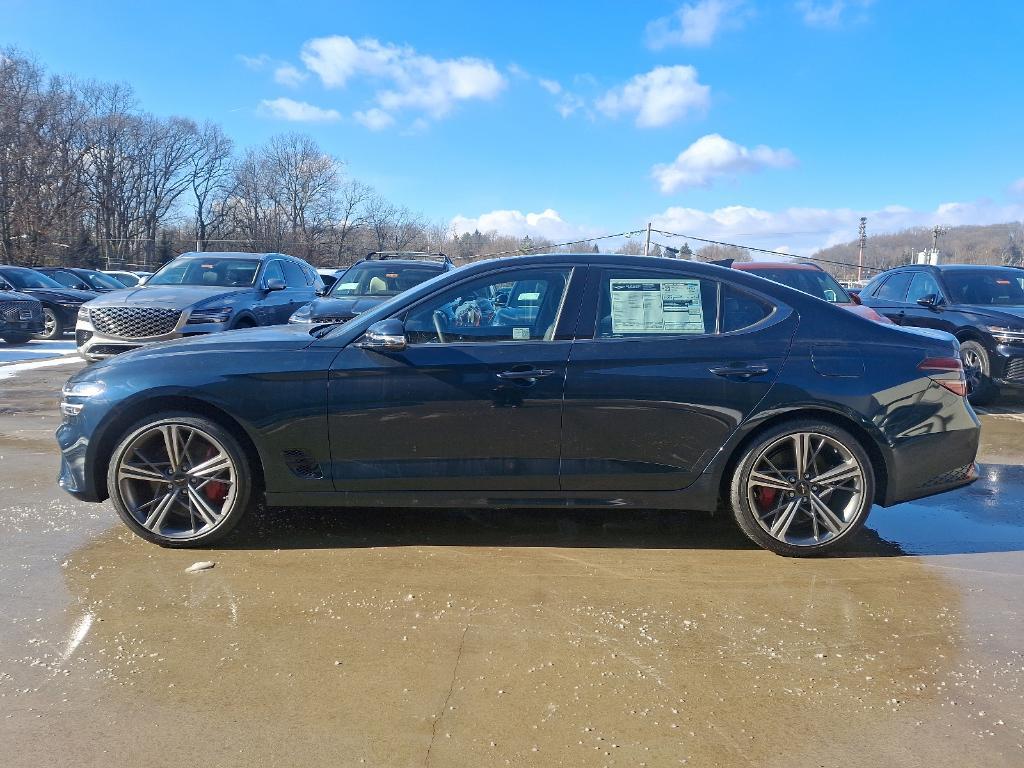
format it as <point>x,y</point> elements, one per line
<point>526,374</point>
<point>740,371</point>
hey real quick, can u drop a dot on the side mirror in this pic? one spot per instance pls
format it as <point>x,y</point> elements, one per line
<point>322,290</point>
<point>384,336</point>
<point>275,284</point>
<point>855,298</point>
<point>143,280</point>
<point>930,301</point>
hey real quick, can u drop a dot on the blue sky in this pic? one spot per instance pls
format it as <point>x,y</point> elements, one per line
<point>776,124</point>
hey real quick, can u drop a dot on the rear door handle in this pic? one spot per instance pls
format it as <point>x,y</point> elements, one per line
<point>740,371</point>
<point>527,374</point>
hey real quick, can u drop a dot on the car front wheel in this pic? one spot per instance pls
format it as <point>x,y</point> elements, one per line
<point>802,488</point>
<point>53,328</point>
<point>980,387</point>
<point>179,480</point>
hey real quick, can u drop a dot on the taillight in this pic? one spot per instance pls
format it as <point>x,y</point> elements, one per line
<point>949,373</point>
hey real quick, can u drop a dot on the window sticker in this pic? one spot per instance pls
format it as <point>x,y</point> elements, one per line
<point>520,333</point>
<point>656,306</point>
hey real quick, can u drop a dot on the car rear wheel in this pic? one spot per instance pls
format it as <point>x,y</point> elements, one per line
<point>179,480</point>
<point>980,387</point>
<point>803,488</point>
<point>53,328</point>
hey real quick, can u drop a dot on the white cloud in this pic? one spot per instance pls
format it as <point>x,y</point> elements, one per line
<point>551,86</point>
<point>712,156</point>
<point>255,63</point>
<point>805,230</point>
<point>289,75</point>
<point>694,24</point>
<point>406,79</point>
<point>828,14</point>
<point>658,97</point>
<point>297,111</point>
<point>1017,187</point>
<point>547,224</point>
<point>374,119</point>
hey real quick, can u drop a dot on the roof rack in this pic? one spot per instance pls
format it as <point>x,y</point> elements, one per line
<point>381,255</point>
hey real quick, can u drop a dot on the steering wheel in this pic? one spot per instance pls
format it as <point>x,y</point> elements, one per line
<point>439,320</point>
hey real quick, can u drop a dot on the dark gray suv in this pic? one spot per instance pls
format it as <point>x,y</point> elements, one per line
<point>194,294</point>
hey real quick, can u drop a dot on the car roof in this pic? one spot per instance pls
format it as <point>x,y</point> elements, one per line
<point>440,265</point>
<point>231,255</point>
<point>754,266</point>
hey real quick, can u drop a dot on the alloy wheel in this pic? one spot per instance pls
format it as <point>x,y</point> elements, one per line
<point>49,323</point>
<point>806,488</point>
<point>177,481</point>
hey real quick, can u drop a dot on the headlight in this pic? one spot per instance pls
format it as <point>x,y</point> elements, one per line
<point>210,315</point>
<point>83,388</point>
<point>83,312</point>
<point>303,314</point>
<point>1007,335</point>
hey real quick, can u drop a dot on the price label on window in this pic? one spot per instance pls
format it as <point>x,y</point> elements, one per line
<point>656,306</point>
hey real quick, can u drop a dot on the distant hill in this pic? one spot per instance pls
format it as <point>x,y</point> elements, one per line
<point>990,244</point>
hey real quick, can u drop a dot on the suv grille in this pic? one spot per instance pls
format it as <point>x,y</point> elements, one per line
<point>134,322</point>
<point>1015,369</point>
<point>11,311</point>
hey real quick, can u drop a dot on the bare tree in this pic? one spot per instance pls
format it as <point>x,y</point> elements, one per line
<point>212,180</point>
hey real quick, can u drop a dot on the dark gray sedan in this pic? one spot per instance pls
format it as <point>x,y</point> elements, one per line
<point>197,293</point>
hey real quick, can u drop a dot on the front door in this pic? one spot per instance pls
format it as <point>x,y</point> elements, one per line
<point>661,375</point>
<point>473,403</point>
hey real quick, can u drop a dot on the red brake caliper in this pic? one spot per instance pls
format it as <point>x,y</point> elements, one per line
<point>765,497</point>
<point>215,490</point>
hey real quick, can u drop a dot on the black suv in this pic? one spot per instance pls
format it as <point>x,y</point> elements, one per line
<point>21,316</point>
<point>82,279</point>
<point>983,306</point>
<point>60,304</point>
<point>375,279</point>
<point>195,294</point>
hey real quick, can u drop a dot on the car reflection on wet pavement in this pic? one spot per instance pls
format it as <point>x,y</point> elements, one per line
<point>457,638</point>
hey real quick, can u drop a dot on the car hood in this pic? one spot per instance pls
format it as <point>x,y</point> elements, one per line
<point>169,296</point>
<point>61,296</point>
<point>16,296</point>
<point>355,305</point>
<point>996,315</point>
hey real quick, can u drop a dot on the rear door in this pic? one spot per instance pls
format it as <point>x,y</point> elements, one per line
<point>664,368</point>
<point>890,297</point>
<point>299,290</point>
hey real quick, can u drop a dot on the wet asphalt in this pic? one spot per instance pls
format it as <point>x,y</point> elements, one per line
<point>464,638</point>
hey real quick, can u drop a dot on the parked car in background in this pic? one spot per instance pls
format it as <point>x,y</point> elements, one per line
<point>330,275</point>
<point>196,294</point>
<point>60,304</point>
<point>616,381</point>
<point>812,280</point>
<point>983,306</point>
<point>371,281</point>
<point>21,315</point>
<point>82,279</point>
<point>126,278</point>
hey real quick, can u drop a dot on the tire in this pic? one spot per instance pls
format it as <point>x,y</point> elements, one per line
<point>244,322</point>
<point>141,487</point>
<point>53,327</point>
<point>17,338</point>
<point>762,511</point>
<point>981,389</point>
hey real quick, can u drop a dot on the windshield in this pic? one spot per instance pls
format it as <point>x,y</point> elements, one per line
<point>126,278</point>
<point>379,278</point>
<point>99,280</point>
<point>227,273</point>
<point>991,287</point>
<point>20,277</point>
<point>810,281</point>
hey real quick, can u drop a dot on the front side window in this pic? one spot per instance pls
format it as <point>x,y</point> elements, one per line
<point>100,281</point>
<point>381,278</point>
<point>514,305</point>
<point>921,286</point>
<point>213,271</point>
<point>293,274</point>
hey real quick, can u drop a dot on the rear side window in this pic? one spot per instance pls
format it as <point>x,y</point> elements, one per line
<point>641,304</point>
<point>895,287</point>
<point>923,285</point>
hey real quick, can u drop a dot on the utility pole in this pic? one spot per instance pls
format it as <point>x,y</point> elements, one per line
<point>937,232</point>
<point>647,243</point>
<point>862,232</point>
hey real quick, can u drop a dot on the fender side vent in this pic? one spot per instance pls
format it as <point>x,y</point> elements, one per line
<point>303,465</point>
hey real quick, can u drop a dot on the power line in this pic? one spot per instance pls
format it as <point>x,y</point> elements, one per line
<point>524,251</point>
